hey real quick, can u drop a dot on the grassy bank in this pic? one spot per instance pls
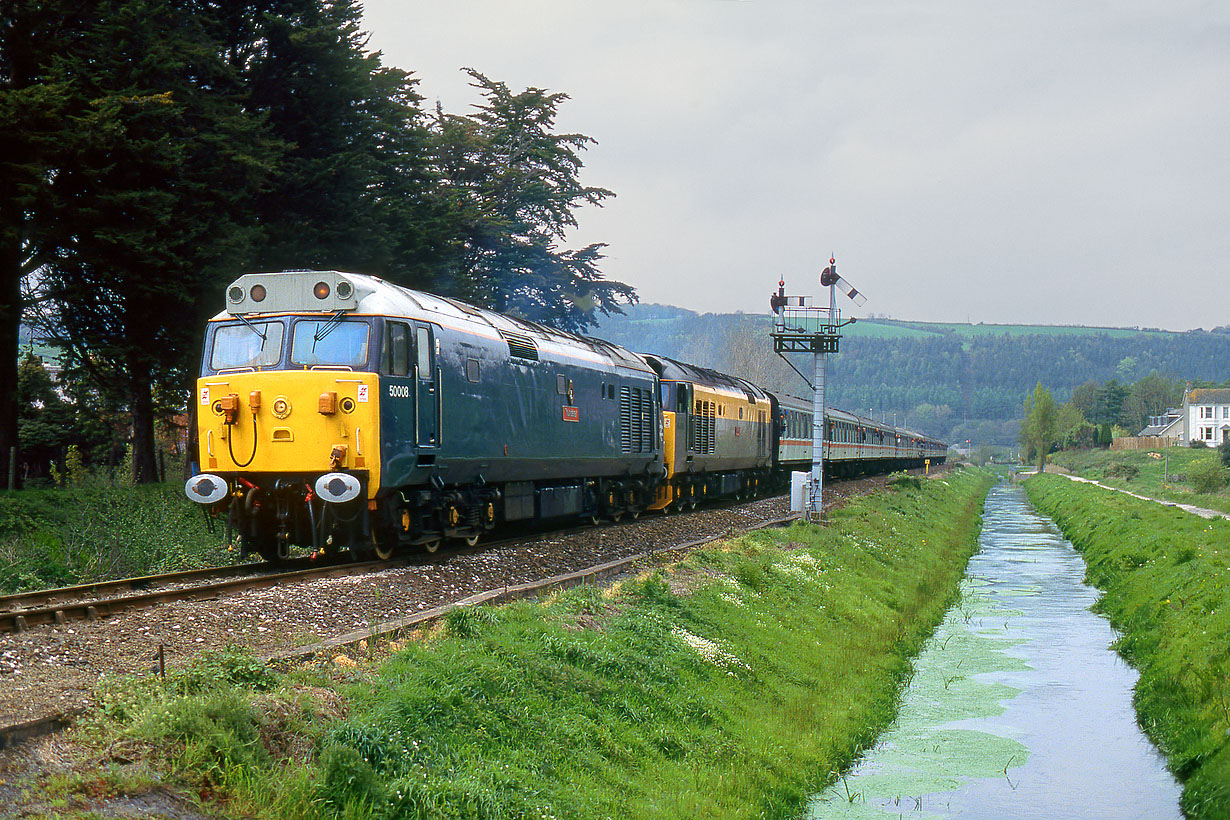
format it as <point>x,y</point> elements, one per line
<point>1166,578</point>
<point>1136,470</point>
<point>100,529</point>
<point>732,684</point>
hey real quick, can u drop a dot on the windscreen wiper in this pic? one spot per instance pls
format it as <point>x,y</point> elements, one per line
<point>329,326</point>
<point>252,327</point>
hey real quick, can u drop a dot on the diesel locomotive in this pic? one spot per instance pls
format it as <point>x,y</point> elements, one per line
<point>338,411</point>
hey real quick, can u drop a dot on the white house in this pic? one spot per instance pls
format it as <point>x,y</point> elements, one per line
<point>1206,415</point>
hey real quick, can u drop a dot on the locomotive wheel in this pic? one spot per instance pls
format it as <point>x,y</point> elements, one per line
<point>471,540</point>
<point>431,546</point>
<point>615,516</point>
<point>382,549</point>
<point>595,519</point>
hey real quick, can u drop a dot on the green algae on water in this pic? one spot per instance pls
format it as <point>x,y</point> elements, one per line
<point>927,750</point>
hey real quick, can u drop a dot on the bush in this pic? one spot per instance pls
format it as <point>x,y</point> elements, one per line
<point>1207,475</point>
<point>1125,471</point>
<point>1224,450</point>
<point>1197,444</point>
<point>905,481</point>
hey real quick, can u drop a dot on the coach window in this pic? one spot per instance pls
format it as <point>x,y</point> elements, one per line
<point>396,349</point>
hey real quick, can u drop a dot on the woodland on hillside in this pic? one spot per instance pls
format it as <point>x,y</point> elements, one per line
<point>954,382</point>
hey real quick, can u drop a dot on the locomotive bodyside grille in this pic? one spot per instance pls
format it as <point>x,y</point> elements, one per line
<point>522,347</point>
<point>636,420</point>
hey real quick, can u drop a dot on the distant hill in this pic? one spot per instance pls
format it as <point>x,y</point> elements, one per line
<point>956,381</point>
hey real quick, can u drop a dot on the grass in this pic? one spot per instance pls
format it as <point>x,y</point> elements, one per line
<point>1135,470</point>
<point>100,530</point>
<point>1166,578</point>
<point>735,683</point>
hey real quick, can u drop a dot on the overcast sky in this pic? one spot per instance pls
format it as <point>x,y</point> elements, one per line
<point>1056,161</point>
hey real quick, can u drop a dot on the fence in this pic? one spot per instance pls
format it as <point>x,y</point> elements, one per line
<point>1144,442</point>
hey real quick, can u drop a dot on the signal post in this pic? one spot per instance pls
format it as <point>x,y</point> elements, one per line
<point>800,327</point>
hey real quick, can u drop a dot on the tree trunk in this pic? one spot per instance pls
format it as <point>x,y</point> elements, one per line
<point>10,319</point>
<point>141,405</point>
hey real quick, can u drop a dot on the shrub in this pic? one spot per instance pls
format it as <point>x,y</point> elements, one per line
<point>1197,444</point>
<point>1224,450</point>
<point>905,481</point>
<point>1207,475</point>
<point>1125,471</point>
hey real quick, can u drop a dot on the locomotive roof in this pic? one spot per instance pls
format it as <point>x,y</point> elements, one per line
<point>374,296</point>
<point>674,370</point>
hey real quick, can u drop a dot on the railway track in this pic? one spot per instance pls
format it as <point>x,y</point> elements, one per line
<point>89,602</point>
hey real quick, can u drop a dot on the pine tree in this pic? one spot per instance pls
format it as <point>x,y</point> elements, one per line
<point>353,190</point>
<point>36,137</point>
<point>515,185</point>
<point>155,197</point>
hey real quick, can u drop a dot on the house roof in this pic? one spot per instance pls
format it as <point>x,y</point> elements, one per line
<point>1209,395</point>
<point>1172,427</point>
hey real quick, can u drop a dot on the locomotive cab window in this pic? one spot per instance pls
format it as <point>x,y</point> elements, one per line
<point>423,348</point>
<point>256,345</point>
<point>329,343</point>
<point>472,372</point>
<point>396,358</point>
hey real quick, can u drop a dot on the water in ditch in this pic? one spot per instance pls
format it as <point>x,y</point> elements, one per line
<point>1018,708</point>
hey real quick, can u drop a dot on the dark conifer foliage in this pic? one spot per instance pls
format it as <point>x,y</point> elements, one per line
<point>152,151</point>
<point>155,202</point>
<point>35,139</point>
<point>514,183</point>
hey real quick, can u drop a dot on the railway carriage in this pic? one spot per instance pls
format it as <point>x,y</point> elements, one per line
<point>853,445</point>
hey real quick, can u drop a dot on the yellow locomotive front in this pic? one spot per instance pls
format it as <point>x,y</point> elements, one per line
<point>288,419</point>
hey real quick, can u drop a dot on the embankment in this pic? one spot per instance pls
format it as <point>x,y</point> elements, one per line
<point>732,684</point>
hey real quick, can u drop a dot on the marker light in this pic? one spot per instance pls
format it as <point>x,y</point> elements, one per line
<point>344,289</point>
<point>321,291</point>
<point>235,293</point>
<point>257,293</point>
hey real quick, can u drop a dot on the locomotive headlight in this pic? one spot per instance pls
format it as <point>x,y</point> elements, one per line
<point>321,291</point>
<point>337,488</point>
<point>206,488</point>
<point>257,293</point>
<point>235,294</point>
<point>344,289</point>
